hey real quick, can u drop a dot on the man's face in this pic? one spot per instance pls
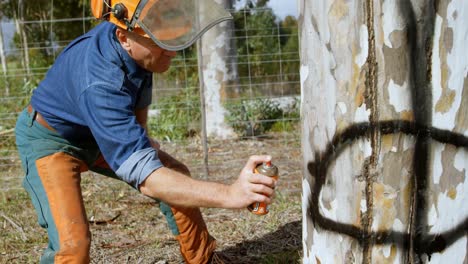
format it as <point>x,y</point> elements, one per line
<point>147,54</point>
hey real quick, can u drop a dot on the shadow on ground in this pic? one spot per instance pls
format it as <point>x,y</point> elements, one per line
<point>282,246</point>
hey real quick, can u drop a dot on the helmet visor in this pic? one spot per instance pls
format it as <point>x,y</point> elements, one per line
<point>176,24</point>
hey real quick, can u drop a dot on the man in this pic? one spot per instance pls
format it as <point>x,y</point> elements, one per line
<point>90,112</point>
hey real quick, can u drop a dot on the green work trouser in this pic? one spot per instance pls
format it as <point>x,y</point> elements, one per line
<point>53,168</point>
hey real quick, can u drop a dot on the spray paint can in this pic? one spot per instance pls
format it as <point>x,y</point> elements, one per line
<point>270,170</point>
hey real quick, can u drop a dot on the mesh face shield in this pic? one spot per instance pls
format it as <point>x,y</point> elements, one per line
<point>176,24</point>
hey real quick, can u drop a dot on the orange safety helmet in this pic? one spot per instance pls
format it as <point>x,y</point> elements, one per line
<point>171,24</point>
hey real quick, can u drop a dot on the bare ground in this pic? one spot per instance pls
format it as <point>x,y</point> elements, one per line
<point>127,227</point>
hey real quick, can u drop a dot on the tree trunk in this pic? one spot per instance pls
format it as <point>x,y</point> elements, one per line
<point>385,125</point>
<point>4,63</point>
<point>217,71</point>
<point>19,23</point>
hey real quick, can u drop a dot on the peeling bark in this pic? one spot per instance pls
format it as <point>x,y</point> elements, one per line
<point>385,130</point>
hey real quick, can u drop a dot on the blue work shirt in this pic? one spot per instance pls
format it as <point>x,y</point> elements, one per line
<point>90,94</point>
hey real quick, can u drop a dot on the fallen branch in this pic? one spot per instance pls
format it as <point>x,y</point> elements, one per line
<point>6,132</point>
<point>105,221</point>
<point>15,225</point>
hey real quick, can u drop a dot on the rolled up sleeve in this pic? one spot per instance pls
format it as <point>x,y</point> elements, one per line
<point>139,166</point>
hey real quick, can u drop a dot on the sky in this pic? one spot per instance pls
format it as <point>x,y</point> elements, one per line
<point>8,32</point>
<point>281,8</point>
<point>284,8</point>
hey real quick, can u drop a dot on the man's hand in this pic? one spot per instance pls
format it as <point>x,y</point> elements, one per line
<point>251,187</point>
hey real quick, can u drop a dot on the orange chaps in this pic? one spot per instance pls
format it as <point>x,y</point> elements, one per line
<point>60,177</point>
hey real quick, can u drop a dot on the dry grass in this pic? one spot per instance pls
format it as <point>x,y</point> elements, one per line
<point>129,228</point>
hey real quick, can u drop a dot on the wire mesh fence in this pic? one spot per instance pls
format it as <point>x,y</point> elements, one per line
<point>261,99</point>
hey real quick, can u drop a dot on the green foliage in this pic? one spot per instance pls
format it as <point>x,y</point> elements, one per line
<point>255,3</point>
<point>290,49</point>
<point>13,101</point>
<point>267,48</point>
<point>290,120</point>
<point>253,117</point>
<point>177,116</point>
<point>184,68</point>
<point>257,51</point>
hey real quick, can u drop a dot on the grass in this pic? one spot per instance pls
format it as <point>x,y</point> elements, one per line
<point>18,229</point>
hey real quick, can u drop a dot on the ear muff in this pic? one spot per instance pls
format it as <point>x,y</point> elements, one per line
<point>101,9</point>
<point>120,11</point>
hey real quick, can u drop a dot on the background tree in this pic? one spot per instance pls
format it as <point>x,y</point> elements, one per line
<point>289,51</point>
<point>3,59</point>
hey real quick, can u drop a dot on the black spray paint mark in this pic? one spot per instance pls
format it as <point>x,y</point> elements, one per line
<point>424,243</point>
<point>420,33</point>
